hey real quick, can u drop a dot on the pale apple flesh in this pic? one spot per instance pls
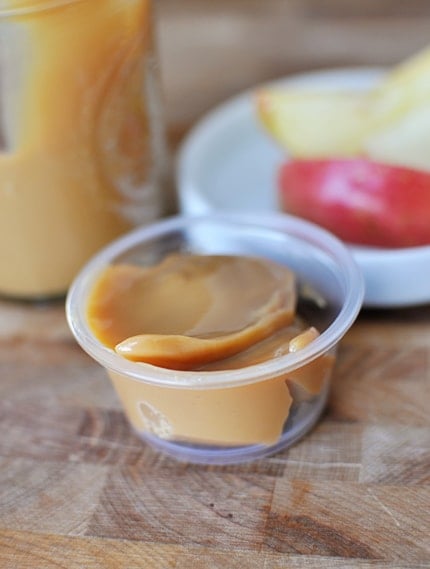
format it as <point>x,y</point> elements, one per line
<point>389,123</point>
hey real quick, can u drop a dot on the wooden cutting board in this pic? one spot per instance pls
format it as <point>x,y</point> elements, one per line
<point>78,489</point>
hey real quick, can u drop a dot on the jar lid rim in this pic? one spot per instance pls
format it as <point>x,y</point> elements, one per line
<point>17,7</point>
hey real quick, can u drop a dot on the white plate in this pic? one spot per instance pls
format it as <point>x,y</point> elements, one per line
<point>228,163</point>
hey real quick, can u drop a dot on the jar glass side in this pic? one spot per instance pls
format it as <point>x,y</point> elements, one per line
<point>83,151</point>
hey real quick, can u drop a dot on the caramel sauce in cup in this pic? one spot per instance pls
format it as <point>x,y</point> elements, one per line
<point>205,313</point>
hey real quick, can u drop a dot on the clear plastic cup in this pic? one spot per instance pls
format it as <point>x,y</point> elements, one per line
<point>221,417</point>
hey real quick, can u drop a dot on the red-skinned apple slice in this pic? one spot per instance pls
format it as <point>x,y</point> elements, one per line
<point>361,201</point>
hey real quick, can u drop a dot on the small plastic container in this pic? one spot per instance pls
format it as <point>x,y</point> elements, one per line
<point>178,412</point>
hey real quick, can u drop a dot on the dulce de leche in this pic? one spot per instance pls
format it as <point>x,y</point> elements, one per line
<point>203,313</point>
<point>77,134</point>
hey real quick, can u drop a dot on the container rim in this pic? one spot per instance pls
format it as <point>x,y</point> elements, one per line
<point>22,7</point>
<point>278,223</point>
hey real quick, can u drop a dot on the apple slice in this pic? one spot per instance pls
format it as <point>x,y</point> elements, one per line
<point>314,124</point>
<point>361,201</point>
<point>405,88</point>
<point>405,142</point>
<point>389,123</point>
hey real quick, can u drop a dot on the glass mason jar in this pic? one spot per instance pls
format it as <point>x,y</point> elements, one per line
<point>82,144</point>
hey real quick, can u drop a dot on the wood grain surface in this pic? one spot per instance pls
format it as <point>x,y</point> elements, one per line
<point>79,490</point>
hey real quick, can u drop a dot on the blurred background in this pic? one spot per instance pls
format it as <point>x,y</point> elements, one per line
<point>210,50</point>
